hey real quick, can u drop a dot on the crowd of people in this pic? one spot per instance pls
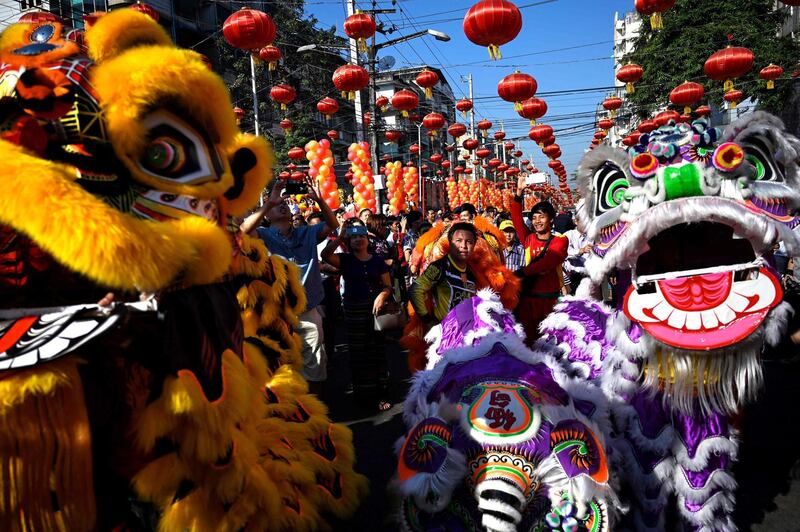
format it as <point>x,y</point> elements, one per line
<point>358,264</point>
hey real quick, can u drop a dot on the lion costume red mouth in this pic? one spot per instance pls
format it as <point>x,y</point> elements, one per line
<point>707,311</point>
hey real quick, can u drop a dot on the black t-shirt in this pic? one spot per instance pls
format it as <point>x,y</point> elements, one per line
<point>362,278</point>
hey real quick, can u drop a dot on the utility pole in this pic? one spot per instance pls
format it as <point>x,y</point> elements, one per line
<point>354,59</point>
<point>255,91</point>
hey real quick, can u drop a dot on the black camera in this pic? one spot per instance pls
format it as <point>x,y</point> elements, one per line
<point>296,187</point>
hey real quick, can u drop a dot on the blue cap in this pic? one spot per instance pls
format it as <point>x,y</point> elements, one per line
<point>357,230</point>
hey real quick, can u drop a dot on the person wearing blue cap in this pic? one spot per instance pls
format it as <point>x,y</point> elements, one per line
<point>367,289</point>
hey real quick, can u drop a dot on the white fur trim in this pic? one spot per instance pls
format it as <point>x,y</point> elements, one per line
<point>706,515</point>
<point>719,479</point>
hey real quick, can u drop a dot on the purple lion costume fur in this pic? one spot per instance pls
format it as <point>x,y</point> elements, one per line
<point>500,438</point>
<point>693,214</point>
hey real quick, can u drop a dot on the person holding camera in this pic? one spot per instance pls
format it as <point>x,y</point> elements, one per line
<point>299,245</point>
<point>545,252</point>
<point>367,289</point>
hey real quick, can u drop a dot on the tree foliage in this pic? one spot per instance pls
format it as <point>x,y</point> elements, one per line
<point>309,73</point>
<point>695,29</point>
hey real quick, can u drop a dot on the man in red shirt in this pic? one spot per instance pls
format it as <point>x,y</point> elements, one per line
<point>545,252</point>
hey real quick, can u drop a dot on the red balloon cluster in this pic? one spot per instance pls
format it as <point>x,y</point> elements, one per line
<point>394,187</point>
<point>411,184</point>
<point>362,179</point>
<point>320,167</point>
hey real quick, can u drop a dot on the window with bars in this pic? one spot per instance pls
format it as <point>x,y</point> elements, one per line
<point>29,4</point>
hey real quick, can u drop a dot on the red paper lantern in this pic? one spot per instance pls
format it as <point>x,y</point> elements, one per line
<point>366,119</point>
<point>484,126</point>
<point>502,168</point>
<point>333,134</point>
<point>427,79</point>
<point>146,9</point>
<point>284,175</point>
<point>516,88</point>
<point>605,124</point>
<point>734,97</point>
<point>554,164</point>
<point>446,164</point>
<point>508,146</point>
<point>470,144</point>
<point>771,73</point>
<point>483,153</point>
<point>37,17</point>
<point>540,133</point>
<point>414,148</point>
<point>630,74</point>
<point>297,176</point>
<point>271,54</point>
<point>635,136</point>
<point>647,126</point>
<point>654,9</point>
<point>525,162</point>
<point>728,64</point>
<point>249,29</point>
<point>612,105</point>
<point>382,102</point>
<point>360,26</point>
<point>548,141</point>
<point>686,95</point>
<point>238,113</point>
<point>436,158</point>
<point>494,163</point>
<point>328,107</point>
<point>464,106</point>
<point>450,148</point>
<point>499,135</point>
<point>600,135</point>
<point>297,153</point>
<point>533,109</point>
<point>457,130</point>
<point>663,118</point>
<point>350,78</point>
<point>404,101</point>
<point>492,23</point>
<point>393,135</point>
<point>628,141</point>
<point>283,94</point>
<point>703,110</point>
<point>553,151</point>
<point>511,172</point>
<point>286,124</point>
<point>459,169</point>
<point>433,122</point>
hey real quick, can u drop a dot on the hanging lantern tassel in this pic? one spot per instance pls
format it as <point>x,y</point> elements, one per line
<point>362,46</point>
<point>656,21</point>
<point>687,110</point>
<point>464,115</point>
<point>612,113</point>
<point>351,96</point>
<point>494,52</point>
<point>770,84</point>
<point>733,104</point>
<point>272,65</point>
<point>629,88</point>
<point>518,106</point>
<point>404,113</point>
<point>428,93</point>
<point>283,107</point>
<point>728,85</point>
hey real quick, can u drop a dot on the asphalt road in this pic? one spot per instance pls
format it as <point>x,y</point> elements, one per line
<point>768,470</point>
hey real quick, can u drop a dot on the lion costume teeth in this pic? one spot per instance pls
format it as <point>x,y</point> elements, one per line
<point>200,408</point>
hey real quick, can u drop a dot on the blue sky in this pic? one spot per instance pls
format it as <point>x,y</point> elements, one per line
<point>581,29</point>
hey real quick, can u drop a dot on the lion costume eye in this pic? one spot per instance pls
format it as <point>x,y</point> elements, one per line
<point>610,184</point>
<point>759,153</point>
<point>177,152</point>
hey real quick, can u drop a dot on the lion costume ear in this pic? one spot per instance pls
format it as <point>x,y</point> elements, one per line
<point>121,30</point>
